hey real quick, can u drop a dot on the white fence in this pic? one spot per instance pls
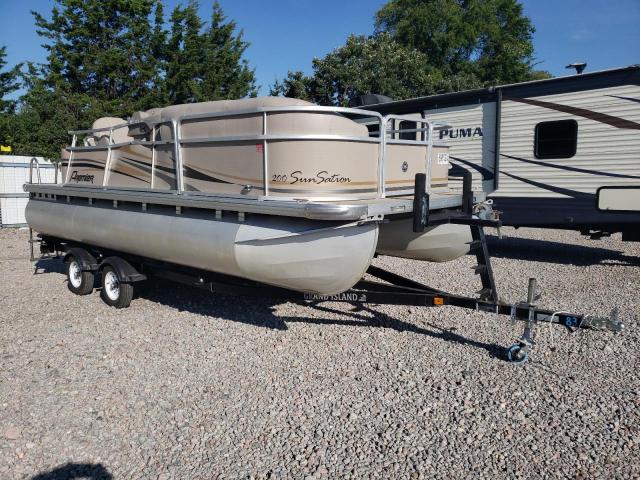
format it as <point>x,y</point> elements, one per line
<point>14,173</point>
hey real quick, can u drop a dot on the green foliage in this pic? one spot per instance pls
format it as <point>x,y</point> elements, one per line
<point>206,65</point>
<point>114,57</point>
<point>296,85</point>
<point>184,54</point>
<point>491,39</point>
<point>8,83</point>
<point>376,64</point>
<point>101,48</point>
<point>422,47</point>
<point>226,75</point>
<point>46,114</point>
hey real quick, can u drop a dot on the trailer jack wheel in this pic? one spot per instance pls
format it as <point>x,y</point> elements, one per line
<point>114,292</point>
<point>518,354</point>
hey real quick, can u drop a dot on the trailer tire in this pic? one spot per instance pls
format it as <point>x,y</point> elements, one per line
<point>115,293</point>
<point>79,281</point>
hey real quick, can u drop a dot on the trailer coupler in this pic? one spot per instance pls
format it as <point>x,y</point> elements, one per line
<point>519,351</point>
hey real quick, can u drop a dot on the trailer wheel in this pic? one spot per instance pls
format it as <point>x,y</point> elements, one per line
<point>114,292</point>
<point>516,354</point>
<point>79,282</point>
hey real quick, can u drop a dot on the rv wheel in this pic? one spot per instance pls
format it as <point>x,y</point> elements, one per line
<point>79,282</point>
<point>115,293</point>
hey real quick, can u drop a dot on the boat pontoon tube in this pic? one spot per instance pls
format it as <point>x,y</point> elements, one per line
<point>303,255</point>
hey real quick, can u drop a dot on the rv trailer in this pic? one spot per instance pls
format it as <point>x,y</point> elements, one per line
<point>544,151</point>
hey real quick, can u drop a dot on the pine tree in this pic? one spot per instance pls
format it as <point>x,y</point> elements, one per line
<point>226,74</point>
<point>114,57</point>
<point>185,55</point>
<point>103,49</point>
<point>206,64</point>
<point>8,83</point>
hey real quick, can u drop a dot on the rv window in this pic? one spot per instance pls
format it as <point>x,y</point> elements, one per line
<point>407,125</point>
<point>556,139</point>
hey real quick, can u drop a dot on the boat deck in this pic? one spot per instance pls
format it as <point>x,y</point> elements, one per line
<point>360,209</point>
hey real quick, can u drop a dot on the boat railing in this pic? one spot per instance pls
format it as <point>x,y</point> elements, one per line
<point>34,162</point>
<point>397,131</point>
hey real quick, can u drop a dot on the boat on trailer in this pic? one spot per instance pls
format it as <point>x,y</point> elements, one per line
<point>275,190</point>
<point>271,193</point>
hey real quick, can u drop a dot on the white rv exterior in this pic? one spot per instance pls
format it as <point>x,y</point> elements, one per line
<point>499,134</point>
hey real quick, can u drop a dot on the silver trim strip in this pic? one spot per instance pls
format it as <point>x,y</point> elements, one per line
<point>265,137</point>
<point>316,210</point>
<point>23,165</point>
<point>14,195</point>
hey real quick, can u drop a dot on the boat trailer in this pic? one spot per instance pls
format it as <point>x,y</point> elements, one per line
<point>387,289</point>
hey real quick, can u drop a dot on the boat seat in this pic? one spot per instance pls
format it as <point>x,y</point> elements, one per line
<point>119,135</point>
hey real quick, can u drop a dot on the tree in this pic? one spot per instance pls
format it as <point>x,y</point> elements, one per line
<point>103,59</point>
<point>206,64</point>
<point>296,85</point>
<point>226,74</point>
<point>103,49</point>
<point>185,55</point>
<point>376,64</point>
<point>45,115</point>
<point>371,65</point>
<point>491,39</point>
<point>114,57</point>
<point>8,83</point>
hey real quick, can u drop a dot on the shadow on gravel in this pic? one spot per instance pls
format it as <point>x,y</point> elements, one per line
<point>49,265</point>
<point>72,471</point>
<point>557,252</point>
<point>259,311</point>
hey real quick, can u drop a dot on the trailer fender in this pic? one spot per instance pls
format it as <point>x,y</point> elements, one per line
<point>87,262</point>
<point>126,273</point>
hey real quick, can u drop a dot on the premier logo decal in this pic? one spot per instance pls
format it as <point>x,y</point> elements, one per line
<point>81,177</point>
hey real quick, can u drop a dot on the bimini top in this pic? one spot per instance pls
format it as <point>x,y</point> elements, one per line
<point>173,112</point>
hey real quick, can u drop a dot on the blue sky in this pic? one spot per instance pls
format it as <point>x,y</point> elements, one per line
<point>288,34</point>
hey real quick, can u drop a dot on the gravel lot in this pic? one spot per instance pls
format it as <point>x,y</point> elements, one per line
<point>187,385</point>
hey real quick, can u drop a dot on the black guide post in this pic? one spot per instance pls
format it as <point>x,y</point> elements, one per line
<point>420,203</point>
<point>479,248</point>
<point>467,184</point>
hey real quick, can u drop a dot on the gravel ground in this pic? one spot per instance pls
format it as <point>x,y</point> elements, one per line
<point>187,385</point>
